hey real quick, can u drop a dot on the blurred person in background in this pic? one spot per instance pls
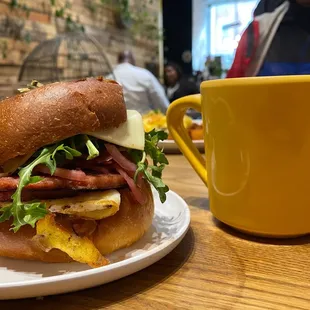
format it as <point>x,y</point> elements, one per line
<point>142,91</point>
<point>176,85</point>
<point>265,6</point>
<point>276,42</point>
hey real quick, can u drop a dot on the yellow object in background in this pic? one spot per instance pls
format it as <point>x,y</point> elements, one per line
<point>157,120</point>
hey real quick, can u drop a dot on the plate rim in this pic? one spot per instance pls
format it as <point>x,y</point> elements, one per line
<point>90,272</point>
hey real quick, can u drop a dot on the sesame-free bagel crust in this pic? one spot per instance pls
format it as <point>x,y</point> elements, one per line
<point>57,111</point>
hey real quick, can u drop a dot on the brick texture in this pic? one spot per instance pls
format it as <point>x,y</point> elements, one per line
<point>21,32</point>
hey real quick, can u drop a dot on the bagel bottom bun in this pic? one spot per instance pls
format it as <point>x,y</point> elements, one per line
<point>121,230</point>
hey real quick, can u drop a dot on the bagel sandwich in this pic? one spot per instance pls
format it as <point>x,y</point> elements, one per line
<point>76,170</point>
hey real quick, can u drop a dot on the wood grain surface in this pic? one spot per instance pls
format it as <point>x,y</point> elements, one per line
<point>214,267</point>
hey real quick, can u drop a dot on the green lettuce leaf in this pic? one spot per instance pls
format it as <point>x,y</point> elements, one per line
<point>152,173</point>
<point>30,213</point>
<point>92,150</point>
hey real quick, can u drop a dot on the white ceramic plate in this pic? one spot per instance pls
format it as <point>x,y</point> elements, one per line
<point>170,147</point>
<point>22,279</point>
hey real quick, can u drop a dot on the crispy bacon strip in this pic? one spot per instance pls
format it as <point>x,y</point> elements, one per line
<point>75,175</point>
<point>89,165</point>
<point>90,182</point>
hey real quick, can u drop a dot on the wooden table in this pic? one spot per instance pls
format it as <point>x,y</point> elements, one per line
<point>214,267</point>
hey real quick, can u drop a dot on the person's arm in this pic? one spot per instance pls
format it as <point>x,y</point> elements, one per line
<point>157,96</point>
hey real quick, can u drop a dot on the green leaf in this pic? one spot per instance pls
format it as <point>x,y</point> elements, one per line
<point>141,167</point>
<point>60,12</point>
<point>92,150</point>
<point>34,84</point>
<point>155,153</point>
<point>70,153</point>
<point>136,155</point>
<point>162,193</point>
<point>159,134</point>
<point>51,165</point>
<point>151,146</point>
<point>152,173</point>
<point>30,213</point>
<point>13,4</point>
<point>53,2</point>
<point>34,212</point>
<point>6,213</point>
<point>160,186</point>
<point>157,182</point>
<point>35,179</point>
<point>157,170</point>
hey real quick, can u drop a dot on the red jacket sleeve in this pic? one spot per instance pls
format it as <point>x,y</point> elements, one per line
<point>245,51</point>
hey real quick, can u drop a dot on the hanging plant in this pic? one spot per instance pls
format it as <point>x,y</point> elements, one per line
<point>14,4</point>
<point>123,14</point>
<point>14,24</point>
<point>131,15</point>
<point>61,12</point>
<point>134,16</point>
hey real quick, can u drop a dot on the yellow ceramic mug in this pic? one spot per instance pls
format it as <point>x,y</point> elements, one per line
<point>257,137</point>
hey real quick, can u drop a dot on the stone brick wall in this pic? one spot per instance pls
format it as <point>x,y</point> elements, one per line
<point>20,32</point>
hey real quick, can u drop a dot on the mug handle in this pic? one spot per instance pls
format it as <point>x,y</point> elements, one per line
<point>175,115</point>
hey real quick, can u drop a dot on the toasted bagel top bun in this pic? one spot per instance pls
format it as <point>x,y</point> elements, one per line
<point>58,111</point>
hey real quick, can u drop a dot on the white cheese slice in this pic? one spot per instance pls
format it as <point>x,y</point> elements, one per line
<point>129,134</point>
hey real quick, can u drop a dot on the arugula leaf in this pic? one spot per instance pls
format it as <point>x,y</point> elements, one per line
<point>139,158</point>
<point>155,153</point>
<point>152,173</point>
<point>83,142</point>
<point>34,84</point>
<point>6,214</point>
<point>151,146</point>
<point>33,212</point>
<point>157,182</point>
<point>157,170</point>
<point>92,150</point>
<point>30,213</point>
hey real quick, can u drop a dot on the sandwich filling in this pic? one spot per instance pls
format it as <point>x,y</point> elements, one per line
<point>64,189</point>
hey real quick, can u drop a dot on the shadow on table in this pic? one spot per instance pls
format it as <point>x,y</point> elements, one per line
<point>198,202</point>
<point>114,292</point>
<point>263,240</point>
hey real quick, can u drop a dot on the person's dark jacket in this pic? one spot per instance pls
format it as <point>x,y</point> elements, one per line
<point>185,88</point>
<point>275,43</point>
<point>265,6</point>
